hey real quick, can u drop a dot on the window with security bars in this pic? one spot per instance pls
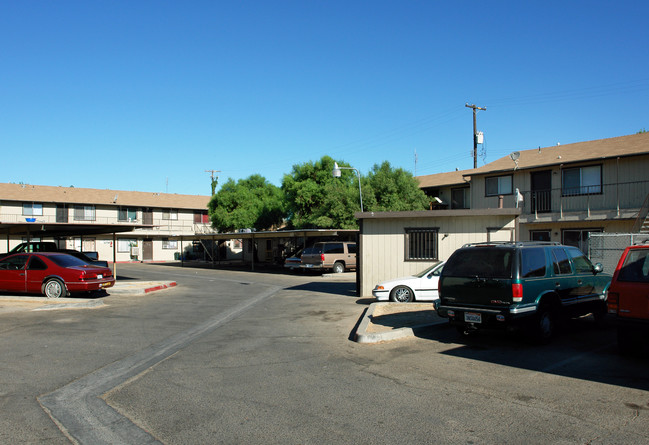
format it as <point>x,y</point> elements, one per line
<point>421,244</point>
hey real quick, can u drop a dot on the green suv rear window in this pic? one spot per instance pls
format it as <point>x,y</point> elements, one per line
<point>486,262</point>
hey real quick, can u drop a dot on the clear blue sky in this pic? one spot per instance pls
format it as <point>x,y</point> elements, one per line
<point>147,95</point>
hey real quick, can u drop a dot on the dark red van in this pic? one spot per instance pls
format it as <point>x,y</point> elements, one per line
<point>628,299</point>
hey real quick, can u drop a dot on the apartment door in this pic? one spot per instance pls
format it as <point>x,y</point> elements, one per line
<point>541,199</point>
<point>147,250</point>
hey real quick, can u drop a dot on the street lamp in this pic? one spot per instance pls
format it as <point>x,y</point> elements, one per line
<point>336,174</point>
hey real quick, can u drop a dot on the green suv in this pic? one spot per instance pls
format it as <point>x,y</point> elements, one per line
<point>520,284</point>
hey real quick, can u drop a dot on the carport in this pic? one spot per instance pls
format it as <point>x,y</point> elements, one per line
<point>305,234</point>
<point>64,230</point>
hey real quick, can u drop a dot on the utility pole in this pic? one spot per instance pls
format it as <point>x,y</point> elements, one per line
<point>214,181</point>
<point>475,134</point>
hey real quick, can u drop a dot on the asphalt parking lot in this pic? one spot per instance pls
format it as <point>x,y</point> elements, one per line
<point>239,357</point>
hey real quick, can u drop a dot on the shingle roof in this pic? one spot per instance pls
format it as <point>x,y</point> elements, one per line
<point>73,195</point>
<point>620,146</point>
<point>444,179</point>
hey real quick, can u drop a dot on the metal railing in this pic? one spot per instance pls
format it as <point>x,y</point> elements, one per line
<point>185,226</point>
<point>606,197</point>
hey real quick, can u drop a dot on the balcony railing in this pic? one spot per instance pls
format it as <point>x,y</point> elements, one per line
<point>183,226</point>
<point>607,197</point>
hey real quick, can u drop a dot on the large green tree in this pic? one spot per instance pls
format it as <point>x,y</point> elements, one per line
<point>315,199</point>
<point>392,190</point>
<point>248,203</point>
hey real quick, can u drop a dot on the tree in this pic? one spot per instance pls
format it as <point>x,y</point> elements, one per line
<point>391,190</point>
<point>315,199</point>
<point>248,203</point>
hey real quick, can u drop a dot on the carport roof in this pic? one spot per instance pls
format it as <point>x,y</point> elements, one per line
<point>309,233</point>
<point>38,229</point>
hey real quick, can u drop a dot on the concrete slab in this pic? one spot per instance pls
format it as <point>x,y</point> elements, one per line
<point>392,321</point>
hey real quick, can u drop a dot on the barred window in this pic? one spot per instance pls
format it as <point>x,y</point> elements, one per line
<point>421,244</point>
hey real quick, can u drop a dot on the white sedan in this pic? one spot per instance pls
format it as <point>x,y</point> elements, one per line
<point>420,287</point>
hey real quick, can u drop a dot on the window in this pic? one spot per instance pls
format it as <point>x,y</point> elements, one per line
<point>460,198</point>
<point>201,218</point>
<point>582,180</point>
<point>32,209</point>
<point>37,264</point>
<point>421,244</point>
<point>170,214</point>
<point>582,264</point>
<point>539,235</point>
<point>577,238</point>
<point>635,267</point>
<point>498,185</point>
<point>533,262</point>
<point>561,263</point>
<point>127,214</point>
<point>84,213</point>
<point>169,244</point>
<point>61,213</point>
<point>351,248</point>
<point>124,245</point>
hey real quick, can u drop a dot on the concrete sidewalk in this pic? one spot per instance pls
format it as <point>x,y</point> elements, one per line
<point>15,303</point>
<point>392,321</point>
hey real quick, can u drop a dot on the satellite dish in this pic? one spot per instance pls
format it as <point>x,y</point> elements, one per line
<point>515,155</point>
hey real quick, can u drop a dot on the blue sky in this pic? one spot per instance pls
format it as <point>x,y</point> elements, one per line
<point>147,95</point>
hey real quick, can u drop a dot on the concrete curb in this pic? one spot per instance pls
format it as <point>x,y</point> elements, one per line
<point>140,288</point>
<point>362,336</point>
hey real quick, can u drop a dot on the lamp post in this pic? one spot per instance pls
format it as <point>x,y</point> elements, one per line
<point>336,174</point>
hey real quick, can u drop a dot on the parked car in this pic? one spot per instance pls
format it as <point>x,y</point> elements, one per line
<point>628,299</point>
<point>420,287</point>
<point>51,274</point>
<point>520,284</point>
<point>294,261</point>
<point>333,255</point>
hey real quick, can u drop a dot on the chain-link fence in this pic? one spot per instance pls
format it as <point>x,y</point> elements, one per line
<point>607,248</point>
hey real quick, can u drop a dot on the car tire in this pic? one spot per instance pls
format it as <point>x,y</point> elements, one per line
<point>54,288</point>
<point>545,324</point>
<point>402,294</point>
<point>338,267</point>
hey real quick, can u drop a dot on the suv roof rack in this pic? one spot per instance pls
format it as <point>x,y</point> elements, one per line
<point>513,243</point>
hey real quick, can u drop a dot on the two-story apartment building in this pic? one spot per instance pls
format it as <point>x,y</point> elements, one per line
<point>130,225</point>
<point>560,193</point>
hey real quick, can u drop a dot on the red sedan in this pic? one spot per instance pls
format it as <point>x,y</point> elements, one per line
<point>52,274</point>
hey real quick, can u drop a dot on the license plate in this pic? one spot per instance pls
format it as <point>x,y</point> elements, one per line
<point>100,276</point>
<point>472,317</point>
<point>309,265</point>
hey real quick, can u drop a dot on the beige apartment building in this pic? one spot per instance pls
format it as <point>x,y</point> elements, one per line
<point>561,193</point>
<point>124,225</point>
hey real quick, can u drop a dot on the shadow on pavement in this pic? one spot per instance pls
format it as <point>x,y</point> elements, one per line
<point>580,351</point>
<point>344,288</point>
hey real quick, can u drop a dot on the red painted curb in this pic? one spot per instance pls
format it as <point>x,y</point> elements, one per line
<point>162,286</point>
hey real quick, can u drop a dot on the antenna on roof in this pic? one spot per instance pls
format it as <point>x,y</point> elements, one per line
<point>514,157</point>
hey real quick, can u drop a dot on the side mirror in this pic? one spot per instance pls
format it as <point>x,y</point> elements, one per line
<point>598,268</point>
